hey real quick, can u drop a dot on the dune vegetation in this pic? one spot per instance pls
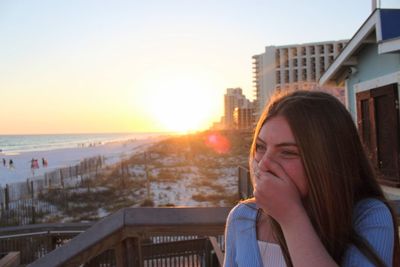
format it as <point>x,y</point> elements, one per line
<point>187,170</point>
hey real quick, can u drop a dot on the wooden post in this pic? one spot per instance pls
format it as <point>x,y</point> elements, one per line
<point>27,185</point>
<point>62,178</point>
<point>147,176</point>
<point>7,196</point>
<point>135,258</point>
<point>52,242</point>
<point>2,200</point>
<point>33,205</point>
<point>51,176</point>
<point>217,250</point>
<point>207,253</point>
<point>250,188</point>
<point>121,255</point>
<point>128,253</point>
<point>32,191</point>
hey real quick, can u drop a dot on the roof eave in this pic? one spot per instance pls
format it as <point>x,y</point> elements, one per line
<point>389,46</point>
<point>346,59</point>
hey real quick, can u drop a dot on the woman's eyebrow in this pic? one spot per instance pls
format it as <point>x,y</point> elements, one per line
<point>286,144</point>
<point>283,144</point>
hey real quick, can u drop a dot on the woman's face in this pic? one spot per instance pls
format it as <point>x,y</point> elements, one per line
<point>276,142</point>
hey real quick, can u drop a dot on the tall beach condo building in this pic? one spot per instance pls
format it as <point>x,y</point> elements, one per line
<point>293,67</point>
<point>238,110</point>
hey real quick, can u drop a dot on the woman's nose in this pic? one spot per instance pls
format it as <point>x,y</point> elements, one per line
<point>265,161</point>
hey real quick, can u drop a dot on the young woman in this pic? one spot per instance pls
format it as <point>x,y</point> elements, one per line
<point>316,200</point>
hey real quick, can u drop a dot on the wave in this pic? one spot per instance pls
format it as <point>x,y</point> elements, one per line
<point>15,144</point>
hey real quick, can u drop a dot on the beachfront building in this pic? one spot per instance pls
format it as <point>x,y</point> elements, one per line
<point>369,69</point>
<point>292,67</point>
<point>244,116</point>
<point>234,100</point>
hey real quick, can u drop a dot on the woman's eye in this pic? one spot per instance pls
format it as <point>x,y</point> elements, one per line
<point>260,148</point>
<point>289,153</point>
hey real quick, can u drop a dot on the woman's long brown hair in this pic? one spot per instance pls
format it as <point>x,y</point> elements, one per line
<point>338,171</point>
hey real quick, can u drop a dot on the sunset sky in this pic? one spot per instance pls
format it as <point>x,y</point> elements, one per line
<point>82,66</point>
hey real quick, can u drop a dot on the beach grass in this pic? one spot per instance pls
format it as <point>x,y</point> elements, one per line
<point>184,170</point>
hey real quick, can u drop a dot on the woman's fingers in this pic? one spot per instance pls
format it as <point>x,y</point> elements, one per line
<point>273,167</point>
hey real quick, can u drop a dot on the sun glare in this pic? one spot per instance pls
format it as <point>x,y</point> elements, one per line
<point>182,104</point>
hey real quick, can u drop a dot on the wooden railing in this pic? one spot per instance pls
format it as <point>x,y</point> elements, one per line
<point>245,187</point>
<point>35,240</point>
<point>131,235</point>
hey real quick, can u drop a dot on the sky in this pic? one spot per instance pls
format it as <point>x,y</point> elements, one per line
<point>74,66</point>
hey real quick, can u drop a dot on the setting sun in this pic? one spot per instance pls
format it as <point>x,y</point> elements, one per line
<point>183,104</point>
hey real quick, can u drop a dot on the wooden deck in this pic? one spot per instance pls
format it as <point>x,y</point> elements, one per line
<point>129,234</point>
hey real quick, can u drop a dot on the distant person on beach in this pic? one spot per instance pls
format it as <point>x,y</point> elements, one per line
<point>34,165</point>
<point>4,162</point>
<point>44,162</point>
<point>11,164</point>
<point>316,199</point>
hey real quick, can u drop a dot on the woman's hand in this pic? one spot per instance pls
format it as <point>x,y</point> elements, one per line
<point>275,192</point>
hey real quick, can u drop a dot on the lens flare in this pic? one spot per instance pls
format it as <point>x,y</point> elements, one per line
<point>218,143</point>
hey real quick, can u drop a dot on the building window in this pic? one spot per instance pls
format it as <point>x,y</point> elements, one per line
<point>304,62</point>
<point>285,57</point>
<point>294,52</point>
<point>330,48</point>
<point>303,51</point>
<point>304,75</point>
<point>321,49</point>
<point>313,62</point>
<point>277,59</point>
<point>313,67</point>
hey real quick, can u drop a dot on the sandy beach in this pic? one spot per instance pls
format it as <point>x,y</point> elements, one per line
<point>58,158</point>
<point>176,171</point>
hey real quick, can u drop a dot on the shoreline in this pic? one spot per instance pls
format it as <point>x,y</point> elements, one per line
<point>21,170</point>
<point>12,145</point>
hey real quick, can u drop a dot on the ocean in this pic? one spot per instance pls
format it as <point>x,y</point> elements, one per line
<point>15,144</point>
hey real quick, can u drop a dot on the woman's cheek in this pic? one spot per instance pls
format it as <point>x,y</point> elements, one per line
<point>296,174</point>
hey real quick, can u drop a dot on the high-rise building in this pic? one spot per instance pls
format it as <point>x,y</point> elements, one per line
<point>243,117</point>
<point>234,100</point>
<point>292,67</point>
